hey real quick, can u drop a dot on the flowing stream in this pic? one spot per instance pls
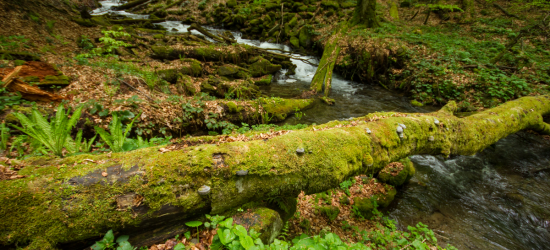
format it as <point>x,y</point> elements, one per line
<point>497,199</point>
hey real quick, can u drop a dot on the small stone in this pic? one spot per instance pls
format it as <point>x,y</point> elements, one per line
<point>436,121</point>
<point>300,151</point>
<point>431,138</point>
<point>204,190</point>
<point>368,130</point>
<point>242,172</point>
<point>399,130</point>
<point>402,125</point>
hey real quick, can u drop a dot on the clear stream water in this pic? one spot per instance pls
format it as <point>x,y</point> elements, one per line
<point>497,199</point>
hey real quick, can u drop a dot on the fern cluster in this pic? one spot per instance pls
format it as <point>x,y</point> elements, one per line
<point>54,135</point>
<point>117,136</point>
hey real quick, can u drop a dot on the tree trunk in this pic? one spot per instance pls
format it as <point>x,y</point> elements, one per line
<point>322,80</point>
<point>80,197</point>
<point>365,13</point>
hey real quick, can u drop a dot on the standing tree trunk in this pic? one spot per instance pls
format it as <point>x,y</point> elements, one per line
<point>365,13</point>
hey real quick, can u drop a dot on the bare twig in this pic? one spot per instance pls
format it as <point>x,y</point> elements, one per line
<point>127,84</point>
<point>505,11</point>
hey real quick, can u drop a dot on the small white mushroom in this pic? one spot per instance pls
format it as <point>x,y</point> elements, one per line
<point>402,125</point>
<point>368,130</point>
<point>204,190</point>
<point>399,130</point>
<point>431,138</point>
<point>436,121</point>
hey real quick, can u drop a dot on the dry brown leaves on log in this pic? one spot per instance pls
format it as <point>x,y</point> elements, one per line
<point>9,172</point>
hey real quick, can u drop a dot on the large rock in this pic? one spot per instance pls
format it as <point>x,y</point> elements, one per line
<point>232,71</point>
<point>260,67</point>
<point>366,204</point>
<point>305,37</point>
<point>191,67</point>
<point>397,173</point>
<point>263,220</point>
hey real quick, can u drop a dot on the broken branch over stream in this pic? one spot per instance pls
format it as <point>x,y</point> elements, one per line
<point>80,197</point>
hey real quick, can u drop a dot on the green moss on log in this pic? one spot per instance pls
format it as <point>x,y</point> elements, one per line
<point>50,207</point>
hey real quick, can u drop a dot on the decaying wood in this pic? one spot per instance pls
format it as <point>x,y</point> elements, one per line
<point>137,21</point>
<point>205,32</point>
<point>11,76</point>
<point>129,5</point>
<point>33,93</point>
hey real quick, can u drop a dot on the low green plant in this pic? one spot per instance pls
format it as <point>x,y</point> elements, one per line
<point>4,136</point>
<point>214,220</point>
<point>8,99</point>
<point>83,145</point>
<point>117,136</point>
<point>108,242</point>
<point>55,135</point>
<point>195,224</point>
<point>235,237</point>
<point>110,43</point>
<point>345,185</point>
<point>298,114</point>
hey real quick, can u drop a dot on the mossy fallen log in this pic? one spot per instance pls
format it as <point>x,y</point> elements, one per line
<point>137,21</point>
<point>79,197</point>
<point>129,5</point>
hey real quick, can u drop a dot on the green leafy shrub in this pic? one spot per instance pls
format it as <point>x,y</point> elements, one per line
<point>4,136</point>
<point>117,137</point>
<point>55,135</point>
<point>108,242</point>
<point>110,43</point>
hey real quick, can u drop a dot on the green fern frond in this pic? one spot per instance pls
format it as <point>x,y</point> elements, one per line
<point>54,135</point>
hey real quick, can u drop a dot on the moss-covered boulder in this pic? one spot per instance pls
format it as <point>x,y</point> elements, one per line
<point>233,107</point>
<point>185,85</point>
<point>264,80</point>
<point>366,204</point>
<point>330,5</point>
<point>190,67</point>
<point>278,109</point>
<point>230,70</point>
<point>261,66</point>
<point>305,38</point>
<point>331,212</point>
<point>263,220</point>
<point>295,42</point>
<point>397,173</point>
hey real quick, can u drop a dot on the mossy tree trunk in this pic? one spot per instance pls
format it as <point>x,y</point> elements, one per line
<point>322,80</point>
<point>80,197</point>
<point>365,13</point>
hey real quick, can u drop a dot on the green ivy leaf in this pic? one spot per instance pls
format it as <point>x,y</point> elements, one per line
<point>240,231</point>
<point>226,236</point>
<point>246,242</point>
<point>125,245</point>
<point>122,238</point>
<point>109,237</point>
<point>181,246</point>
<point>193,223</point>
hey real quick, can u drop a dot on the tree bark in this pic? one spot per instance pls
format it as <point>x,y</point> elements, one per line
<point>365,13</point>
<point>79,197</point>
<point>322,80</point>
